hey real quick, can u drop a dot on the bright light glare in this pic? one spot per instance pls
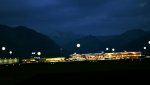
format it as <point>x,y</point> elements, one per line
<point>107,48</point>
<point>148,42</point>
<point>144,48</point>
<point>78,45</point>
<point>39,53</point>
<point>113,49</point>
<point>3,48</point>
<point>10,52</point>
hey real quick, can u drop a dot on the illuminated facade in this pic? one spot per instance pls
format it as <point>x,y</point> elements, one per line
<point>9,61</point>
<point>30,60</point>
<point>36,60</point>
<point>61,59</point>
<point>107,56</point>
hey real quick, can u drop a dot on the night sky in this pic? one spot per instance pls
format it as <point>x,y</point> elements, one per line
<point>97,17</point>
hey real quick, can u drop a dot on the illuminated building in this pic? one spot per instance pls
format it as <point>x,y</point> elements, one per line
<point>37,59</point>
<point>60,59</point>
<point>107,56</point>
<point>9,61</point>
<point>30,60</point>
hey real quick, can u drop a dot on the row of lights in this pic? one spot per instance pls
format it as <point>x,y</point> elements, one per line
<point>145,46</point>
<point>79,45</point>
<point>11,52</point>
<point>38,53</point>
<point>4,48</point>
<point>113,49</point>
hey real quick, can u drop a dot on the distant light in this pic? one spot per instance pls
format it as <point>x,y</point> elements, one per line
<point>15,60</point>
<point>78,45</point>
<point>148,42</point>
<point>39,53</point>
<point>33,53</point>
<point>10,52</point>
<point>3,48</point>
<point>107,48</point>
<point>113,49</point>
<point>144,48</point>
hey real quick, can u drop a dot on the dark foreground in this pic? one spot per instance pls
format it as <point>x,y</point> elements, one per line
<point>75,72</point>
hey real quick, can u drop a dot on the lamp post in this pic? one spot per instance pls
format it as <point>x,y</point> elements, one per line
<point>39,53</point>
<point>144,48</point>
<point>3,49</point>
<point>78,46</point>
<point>33,53</point>
<point>144,51</point>
<point>107,49</point>
<point>113,49</point>
<point>10,52</point>
<point>148,49</point>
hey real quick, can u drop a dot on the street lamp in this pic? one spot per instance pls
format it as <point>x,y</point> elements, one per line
<point>78,45</point>
<point>39,53</point>
<point>148,42</point>
<point>113,49</point>
<point>3,48</point>
<point>10,52</point>
<point>33,53</point>
<point>107,49</point>
<point>144,48</point>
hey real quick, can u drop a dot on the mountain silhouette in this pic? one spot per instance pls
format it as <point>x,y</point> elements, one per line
<point>88,44</point>
<point>132,40</point>
<point>61,38</point>
<point>23,41</point>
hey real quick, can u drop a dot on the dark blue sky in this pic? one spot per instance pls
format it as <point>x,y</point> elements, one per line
<point>97,17</point>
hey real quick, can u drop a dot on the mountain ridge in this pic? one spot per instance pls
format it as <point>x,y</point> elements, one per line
<point>22,41</point>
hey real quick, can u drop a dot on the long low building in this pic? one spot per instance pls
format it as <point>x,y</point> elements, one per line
<point>44,60</point>
<point>109,56</point>
<point>9,60</point>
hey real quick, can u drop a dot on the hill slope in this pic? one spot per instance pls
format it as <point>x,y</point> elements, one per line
<point>22,41</point>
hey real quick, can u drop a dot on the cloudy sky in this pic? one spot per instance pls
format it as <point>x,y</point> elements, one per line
<point>97,17</point>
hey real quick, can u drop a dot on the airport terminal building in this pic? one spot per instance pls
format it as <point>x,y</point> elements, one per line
<point>107,56</point>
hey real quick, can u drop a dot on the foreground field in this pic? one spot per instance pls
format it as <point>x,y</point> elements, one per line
<point>73,71</point>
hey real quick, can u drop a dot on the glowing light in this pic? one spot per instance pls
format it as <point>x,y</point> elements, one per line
<point>145,48</point>
<point>1,61</point>
<point>3,48</point>
<point>10,61</point>
<point>15,60</point>
<point>39,53</point>
<point>148,42</point>
<point>33,53</point>
<point>107,48</point>
<point>113,49</point>
<point>5,60</point>
<point>10,52</point>
<point>78,45</point>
